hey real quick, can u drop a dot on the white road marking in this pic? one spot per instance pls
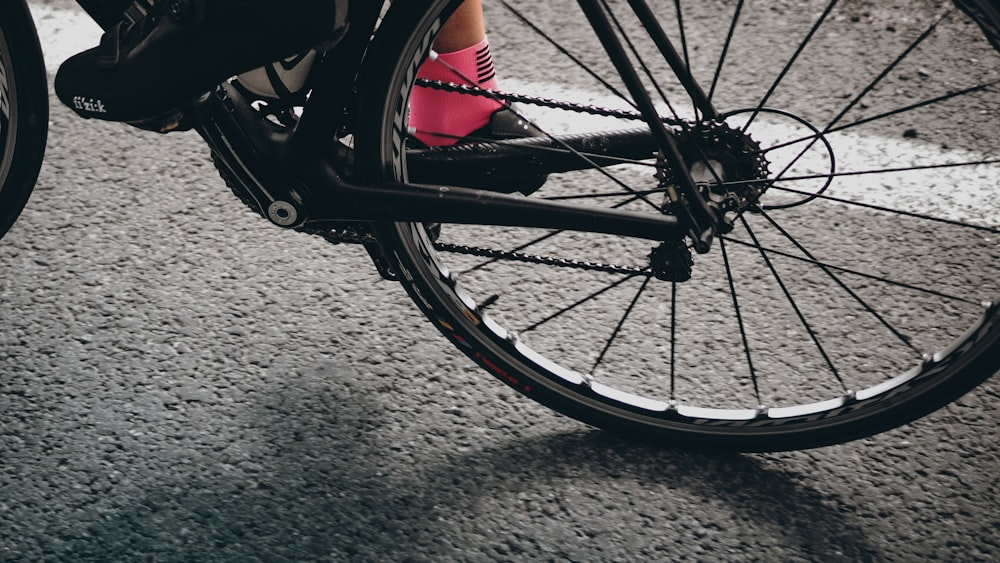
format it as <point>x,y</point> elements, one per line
<point>961,193</point>
<point>63,33</point>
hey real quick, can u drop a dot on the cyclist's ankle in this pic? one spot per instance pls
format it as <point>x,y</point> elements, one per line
<point>283,80</point>
<point>439,118</point>
<point>442,118</point>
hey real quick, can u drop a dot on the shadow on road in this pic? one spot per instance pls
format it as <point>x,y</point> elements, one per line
<point>337,486</point>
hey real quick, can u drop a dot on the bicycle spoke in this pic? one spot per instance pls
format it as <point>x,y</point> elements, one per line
<point>884,115</point>
<point>684,45</point>
<point>825,266</point>
<point>673,341</point>
<point>683,34</point>
<point>788,65</point>
<point>911,107</point>
<point>887,70</point>
<point>725,50</point>
<point>739,320</point>
<point>638,57</point>
<point>621,322</point>
<point>871,86</point>
<point>583,66</point>
<point>828,270</point>
<point>791,301</point>
<point>576,304</point>
<point>879,207</point>
<point>871,172</point>
<point>922,216</point>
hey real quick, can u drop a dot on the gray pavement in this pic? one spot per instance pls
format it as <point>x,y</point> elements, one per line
<point>180,381</point>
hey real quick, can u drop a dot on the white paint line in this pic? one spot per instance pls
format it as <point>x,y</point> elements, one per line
<point>960,193</point>
<point>63,32</point>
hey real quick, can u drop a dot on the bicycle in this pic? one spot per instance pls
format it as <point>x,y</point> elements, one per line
<point>687,299</point>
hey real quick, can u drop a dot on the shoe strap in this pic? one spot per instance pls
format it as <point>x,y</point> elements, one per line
<point>137,14</point>
<point>137,11</point>
<point>110,48</point>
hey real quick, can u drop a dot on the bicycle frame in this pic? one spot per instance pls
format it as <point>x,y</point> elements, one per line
<point>292,177</point>
<point>302,177</point>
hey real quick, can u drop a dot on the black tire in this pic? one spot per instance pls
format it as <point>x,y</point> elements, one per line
<point>24,110</point>
<point>891,289</point>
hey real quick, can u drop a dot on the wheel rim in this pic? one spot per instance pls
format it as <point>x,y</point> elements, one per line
<point>8,106</point>
<point>896,280</point>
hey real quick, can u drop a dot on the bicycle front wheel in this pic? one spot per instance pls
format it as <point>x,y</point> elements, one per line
<point>854,152</point>
<point>24,110</point>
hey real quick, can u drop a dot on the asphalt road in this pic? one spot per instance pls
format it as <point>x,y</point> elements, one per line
<point>180,381</point>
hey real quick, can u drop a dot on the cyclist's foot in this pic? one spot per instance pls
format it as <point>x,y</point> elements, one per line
<point>504,124</point>
<point>440,117</point>
<point>164,54</point>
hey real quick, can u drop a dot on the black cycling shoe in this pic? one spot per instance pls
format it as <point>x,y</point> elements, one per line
<point>165,53</point>
<point>504,125</point>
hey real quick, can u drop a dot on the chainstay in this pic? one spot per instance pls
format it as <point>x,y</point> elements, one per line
<point>359,233</point>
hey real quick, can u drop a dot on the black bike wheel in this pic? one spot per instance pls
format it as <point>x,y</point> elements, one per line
<point>24,110</point>
<point>853,293</point>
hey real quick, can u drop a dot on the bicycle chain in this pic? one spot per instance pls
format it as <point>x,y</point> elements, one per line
<point>354,235</point>
<point>349,234</point>
<point>536,101</point>
<point>537,259</point>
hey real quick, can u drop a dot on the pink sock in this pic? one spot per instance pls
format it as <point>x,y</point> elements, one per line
<point>441,118</point>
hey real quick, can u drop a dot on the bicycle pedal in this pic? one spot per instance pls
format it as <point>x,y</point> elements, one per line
<point>183,118</point>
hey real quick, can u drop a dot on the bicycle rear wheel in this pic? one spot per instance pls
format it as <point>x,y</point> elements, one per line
<point>856,152</point>
<point>24,110</point>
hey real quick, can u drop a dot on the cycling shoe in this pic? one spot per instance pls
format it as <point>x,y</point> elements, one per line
<point>504,124</point>
<point>165,53</point>
<point>458,164</point>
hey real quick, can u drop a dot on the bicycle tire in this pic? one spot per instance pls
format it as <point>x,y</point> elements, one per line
<point>484,314</point>
<point>24,111</point>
